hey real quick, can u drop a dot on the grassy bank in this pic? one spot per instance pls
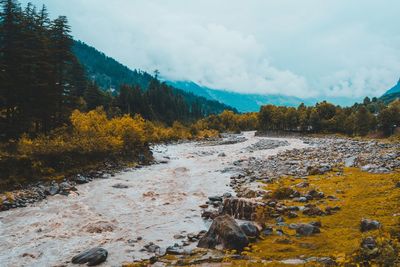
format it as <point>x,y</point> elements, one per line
<point>91,141</point>
<point>359,195</point>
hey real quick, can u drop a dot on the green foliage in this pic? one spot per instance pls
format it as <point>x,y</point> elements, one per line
<point>361,119</point>
<point>228,121</point>
<point>42,81</point>
<point>389,118</point>
<point>133,86</point>
<point>40,78</point>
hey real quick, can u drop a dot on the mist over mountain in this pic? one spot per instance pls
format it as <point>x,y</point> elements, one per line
<point>110,75</point>
<point>243,102</point>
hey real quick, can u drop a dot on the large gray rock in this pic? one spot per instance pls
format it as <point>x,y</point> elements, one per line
<point>225,232</point>
<point>92,257</point>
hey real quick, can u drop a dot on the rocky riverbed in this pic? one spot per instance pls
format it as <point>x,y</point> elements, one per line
<point>134,214</point>
<point>167,208</point>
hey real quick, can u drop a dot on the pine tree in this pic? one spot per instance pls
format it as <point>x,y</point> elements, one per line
<point>93,96</point>
<point>62,57</point>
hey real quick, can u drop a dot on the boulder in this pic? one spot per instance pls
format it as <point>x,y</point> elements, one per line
<point>316,194</point>
<point>268,231</point>
<point>226,232</point>
<point>65,188</point>
<point>283,193</point>
<point>120,186</point>
<point>53,189</point>
<point>209,214</point>
<point>368,243</point>
<point>227,195</point>
<point>250,230</point>
<point>175,250</point>
<point>92,257</point>
<point>152,248</point>
<point>306,229</point>
<point>313,210</point>
<point>215,198</point>
<point>368,225</point>
<point>81,179</point>
<point>302,185</point>
<point>242,208</point>
<point>350,161</point>
<point>317,170</point>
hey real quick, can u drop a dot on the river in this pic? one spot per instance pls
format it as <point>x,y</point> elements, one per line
<point>160,201</point>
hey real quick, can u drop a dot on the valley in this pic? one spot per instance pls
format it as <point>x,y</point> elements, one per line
<point>139,214</point>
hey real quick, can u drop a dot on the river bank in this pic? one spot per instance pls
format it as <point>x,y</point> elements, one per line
<point>126,212</point>
<point>140,213</point>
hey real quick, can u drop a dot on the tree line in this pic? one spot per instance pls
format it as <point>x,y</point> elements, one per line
<point>360,119</point>
<point>42,81</point>
<point>40,78</point>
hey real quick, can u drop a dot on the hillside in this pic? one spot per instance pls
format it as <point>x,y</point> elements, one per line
<point>106,71</point>
<point>394,89</point>
<point>109,74</point>
<point>388,98</point>
<point>243,102</point>
<point>391,94</point>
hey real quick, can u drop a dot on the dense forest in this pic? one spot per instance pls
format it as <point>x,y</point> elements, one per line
<point>112,77</point>
<point>43,80</point>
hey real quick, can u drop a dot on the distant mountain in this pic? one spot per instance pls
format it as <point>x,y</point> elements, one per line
<point>392,94</point>
<point>394,89</point>
<point>109,74</point>
<point>243,102</point>
<point>390,97</point>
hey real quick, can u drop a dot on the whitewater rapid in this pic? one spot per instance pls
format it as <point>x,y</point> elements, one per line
<point>160,201</point>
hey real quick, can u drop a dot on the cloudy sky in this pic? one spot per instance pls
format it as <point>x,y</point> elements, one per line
<point>308,48</point>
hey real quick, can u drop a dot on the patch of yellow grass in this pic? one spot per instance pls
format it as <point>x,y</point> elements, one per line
<point>360,194</point>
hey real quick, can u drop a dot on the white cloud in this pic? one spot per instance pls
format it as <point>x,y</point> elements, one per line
<point>302,48</point>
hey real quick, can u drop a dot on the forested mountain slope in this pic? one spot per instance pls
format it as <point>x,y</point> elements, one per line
<point>110,75</point>
<point>392,94</point>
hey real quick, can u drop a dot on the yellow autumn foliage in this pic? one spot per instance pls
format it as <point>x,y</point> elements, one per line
<point>228,121</point>
<point>94,133</point>
<point>90,133</point>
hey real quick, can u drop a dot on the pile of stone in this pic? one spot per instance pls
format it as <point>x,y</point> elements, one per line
<point>227,139</point>
<point>265,144</point>
<point>323,155</point>
<point>41,190</point>
<point>21,198</point>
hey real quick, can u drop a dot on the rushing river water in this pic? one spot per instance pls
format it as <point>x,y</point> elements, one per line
<point>159,202</point>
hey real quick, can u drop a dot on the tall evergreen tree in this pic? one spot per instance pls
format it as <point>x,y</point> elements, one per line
<point>93,96</point>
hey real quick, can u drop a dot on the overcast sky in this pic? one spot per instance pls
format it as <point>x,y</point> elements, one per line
<point>302,48</point>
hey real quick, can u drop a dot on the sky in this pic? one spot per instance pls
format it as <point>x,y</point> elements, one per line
<point>308,48</point>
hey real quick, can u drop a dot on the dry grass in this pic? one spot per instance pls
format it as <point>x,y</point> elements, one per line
<point>360,194</point>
